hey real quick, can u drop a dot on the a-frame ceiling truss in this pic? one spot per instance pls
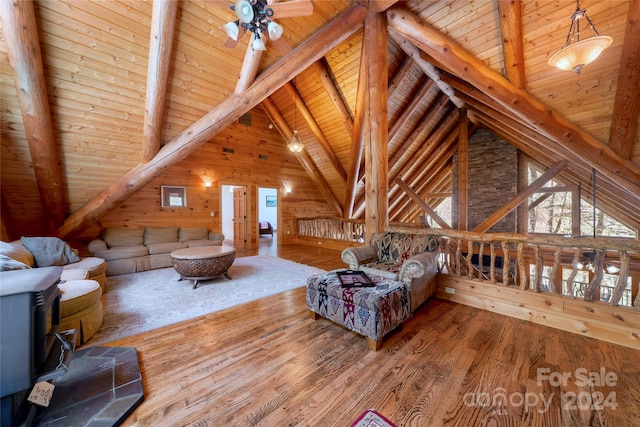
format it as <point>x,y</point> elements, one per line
<point>450,74</point>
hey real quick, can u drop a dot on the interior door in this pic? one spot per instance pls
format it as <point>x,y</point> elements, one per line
<point>239,217</point>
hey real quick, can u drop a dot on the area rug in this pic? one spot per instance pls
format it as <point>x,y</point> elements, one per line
<point>140,302</point>
<point>372,418</point>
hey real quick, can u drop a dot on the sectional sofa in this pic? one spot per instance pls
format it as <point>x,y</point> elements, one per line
<point>130,250</point>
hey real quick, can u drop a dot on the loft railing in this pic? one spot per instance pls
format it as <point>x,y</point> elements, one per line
<point>347,230</point>
<point>602,269</point>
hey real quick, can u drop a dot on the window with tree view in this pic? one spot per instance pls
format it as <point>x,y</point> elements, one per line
<point>550,211</point>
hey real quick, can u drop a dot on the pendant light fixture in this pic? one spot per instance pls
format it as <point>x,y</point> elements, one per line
<point>295,145</point>
<point>576,53</point>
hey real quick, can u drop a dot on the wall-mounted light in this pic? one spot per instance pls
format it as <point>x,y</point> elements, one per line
<point>207,183</point>
<point>287,189</point>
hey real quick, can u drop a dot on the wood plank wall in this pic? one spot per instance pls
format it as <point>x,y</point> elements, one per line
<point>245,166</point>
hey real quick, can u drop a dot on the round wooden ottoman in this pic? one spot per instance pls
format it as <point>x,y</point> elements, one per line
<point>81,308</point>
<point>203,262</point>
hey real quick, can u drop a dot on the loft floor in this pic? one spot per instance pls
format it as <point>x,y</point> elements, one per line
<point>267,363</point>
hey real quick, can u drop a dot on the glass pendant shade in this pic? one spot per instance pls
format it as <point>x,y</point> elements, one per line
<point>232,30</point>
<point>275,30</point>
<point>258,44</point>
<point>577,55</point>
<point>295,145</point>
<point>244,11</point>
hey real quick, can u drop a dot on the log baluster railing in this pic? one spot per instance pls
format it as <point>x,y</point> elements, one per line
<point>534,263</point>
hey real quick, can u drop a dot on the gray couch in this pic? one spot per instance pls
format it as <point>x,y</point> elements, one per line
<point>408,258</point>
<point>130,250</point>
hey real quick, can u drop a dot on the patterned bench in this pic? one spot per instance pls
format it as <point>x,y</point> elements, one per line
<point>372,312</point>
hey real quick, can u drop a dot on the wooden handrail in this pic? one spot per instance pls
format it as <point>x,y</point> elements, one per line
<point>530,262</point>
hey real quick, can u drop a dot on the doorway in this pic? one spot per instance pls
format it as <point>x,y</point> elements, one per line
<point>234,214</point>
<point>268,209</point>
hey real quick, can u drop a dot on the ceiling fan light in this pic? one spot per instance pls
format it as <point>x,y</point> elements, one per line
<point>244,11</point>
<point>258,44</point>
<point>232,30</point>
<point>577,55</point>
<point>275,30</point>
<point>295,146</point>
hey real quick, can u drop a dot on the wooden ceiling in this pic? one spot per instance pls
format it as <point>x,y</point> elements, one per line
<point>102,63</point>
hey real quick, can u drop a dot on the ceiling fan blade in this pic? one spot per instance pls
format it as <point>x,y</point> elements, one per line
<point>222,3</point>
<point>292,8</point>
<point>231,43</point>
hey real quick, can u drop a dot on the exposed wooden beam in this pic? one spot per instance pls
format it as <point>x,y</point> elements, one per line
<point>626,108</point>
<point>249,69</point>
<point>547,121</point>
<point>427,68</point>
<point>618,206</point>
<point>463,170</point>
<point>305,160</point>
<point>315,129</point>
<point>376,132</point>
<point>163,20</point>
<point>20,31</point>
<point>424,205</point>
<point>356,168</point>
<point>435,146</point>
<point>511,31</point>
<point>521,134</point>
<point>377,5</point>
<point>521,197</point>
<point>324,73</point>
<point>217,119</point>
<point>410,108</point>
<point>446,146</point>
<point>413,145</point>
<point>400,75</point>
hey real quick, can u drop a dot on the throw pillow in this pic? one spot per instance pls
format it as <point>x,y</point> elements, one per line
<point>9,264</point>
<point>49,251</point>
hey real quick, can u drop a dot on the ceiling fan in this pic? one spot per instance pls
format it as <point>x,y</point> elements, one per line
<point>257,16</point>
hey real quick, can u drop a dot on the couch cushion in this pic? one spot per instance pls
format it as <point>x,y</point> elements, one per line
<point>49,251</point>
<point>18,252</point>
<point>116,237</point>
<point>123,252</point>
<point>193,233</point>
<point>9,264</point>
<point>160,235</point>
<point>164,248</point>
<point>207,242</point>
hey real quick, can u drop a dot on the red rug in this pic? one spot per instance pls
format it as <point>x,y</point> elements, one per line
<point>372,418</point>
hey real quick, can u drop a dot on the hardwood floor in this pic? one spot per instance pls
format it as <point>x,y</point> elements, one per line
<point>268,363</point>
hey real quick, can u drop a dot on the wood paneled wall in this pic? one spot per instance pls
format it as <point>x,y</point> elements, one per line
<point>259,159</point>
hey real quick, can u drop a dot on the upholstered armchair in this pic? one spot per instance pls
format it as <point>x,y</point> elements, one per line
<point>408,258</point>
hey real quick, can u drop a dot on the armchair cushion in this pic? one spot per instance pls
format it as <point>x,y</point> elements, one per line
<point>409,258</point>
